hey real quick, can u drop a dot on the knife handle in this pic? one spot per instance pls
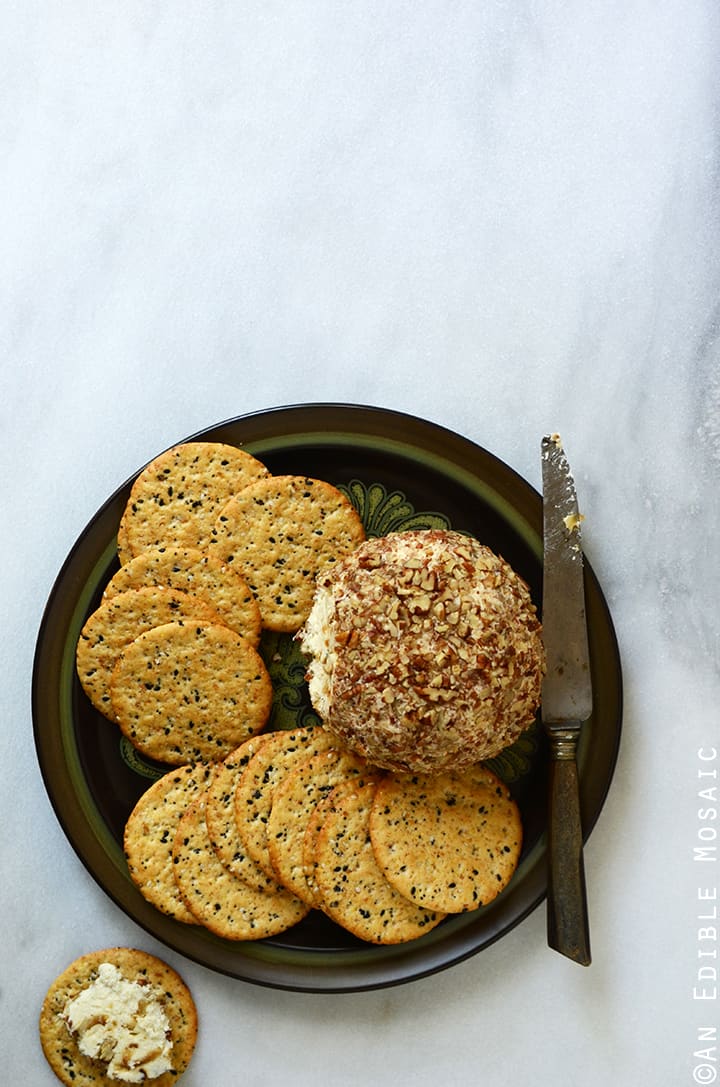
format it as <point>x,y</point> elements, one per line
<point>567,916</point>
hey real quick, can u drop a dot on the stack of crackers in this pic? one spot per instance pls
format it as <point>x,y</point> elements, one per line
<point>213,550</point>
<point>252,829</point>
<point>291,822</point>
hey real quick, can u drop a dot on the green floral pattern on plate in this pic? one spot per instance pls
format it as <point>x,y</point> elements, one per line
<point>384,512</point>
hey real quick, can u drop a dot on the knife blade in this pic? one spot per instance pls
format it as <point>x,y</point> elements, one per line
<point>566,701</point>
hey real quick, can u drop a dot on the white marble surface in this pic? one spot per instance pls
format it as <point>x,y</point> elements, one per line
<point>502,217</point>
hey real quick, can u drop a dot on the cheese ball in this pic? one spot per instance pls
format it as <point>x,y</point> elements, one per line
<point>425,652</point>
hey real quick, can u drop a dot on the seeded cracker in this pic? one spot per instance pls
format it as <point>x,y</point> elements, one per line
<point>256,785</point>
<point>149,834</point>
<point>292,807</point>
<point>220,818</point>
<point>222,903</point>
<point>60,1046</point>
<point>177,497</point>
<point>188,692</point>
<point>351,888</point>
<point>281,532</point>
<point>199,574</point>
<point>315,825</point>
<point>448,842</point>
<point>117,622</point>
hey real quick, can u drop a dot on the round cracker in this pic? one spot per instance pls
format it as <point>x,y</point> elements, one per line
<point>351,888</point>
<point>449,842</point>
<point>281,532</point>
<point>190,692</point>
<point>224,904</point>
<point>201,575</point>
<point>312,831</point>
<point>149,833</point>
<point>60,1046</point>
<point>292,806</point>
<point>220,818</point>
<point>256,785</point>
<point>176,498</point>
<point>117,622</point>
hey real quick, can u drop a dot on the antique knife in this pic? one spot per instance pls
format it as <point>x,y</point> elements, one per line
<point>566,701</point>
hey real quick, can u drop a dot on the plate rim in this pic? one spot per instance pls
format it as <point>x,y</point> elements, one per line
<point>422,958</point>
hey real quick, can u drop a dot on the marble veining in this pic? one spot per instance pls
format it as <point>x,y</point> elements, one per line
<point>502,217</point>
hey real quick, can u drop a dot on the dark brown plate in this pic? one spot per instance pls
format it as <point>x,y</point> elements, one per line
<point>401,472</point>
